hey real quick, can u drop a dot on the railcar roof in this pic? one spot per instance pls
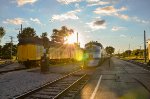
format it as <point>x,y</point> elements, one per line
<point>94,43</point>
<point>30,41</point>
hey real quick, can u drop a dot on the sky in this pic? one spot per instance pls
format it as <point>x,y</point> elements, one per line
<point>117,23</point>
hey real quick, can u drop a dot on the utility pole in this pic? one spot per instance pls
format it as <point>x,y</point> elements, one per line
<point>145,46</point>
<point>21,28</point>
<point>78,43</point>
<point>140,52</point>
<point>11,42</point>
<point>129,50</point>
<point>77,38</point>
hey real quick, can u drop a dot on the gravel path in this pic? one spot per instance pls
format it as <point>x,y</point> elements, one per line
<point>18,82</point>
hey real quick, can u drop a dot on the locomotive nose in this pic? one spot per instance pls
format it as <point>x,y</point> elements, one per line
<point>90,56</point>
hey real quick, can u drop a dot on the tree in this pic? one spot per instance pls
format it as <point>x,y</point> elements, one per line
<point>2,33</point>
<point>136,52</point>
<point>109,50</point>
<point>58,36</point>
<point>0,51</point>
<point>44,34</point>
<point>26,33</point>
<point>6,49</point>
<point>45,40</point>
<point>127,52</point>
<point>14,50</point>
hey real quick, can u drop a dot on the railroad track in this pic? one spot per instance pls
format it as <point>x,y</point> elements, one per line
<point>6,70</point>
<point>11,70</point>
<point>5,64</point>
<point>65,87</point>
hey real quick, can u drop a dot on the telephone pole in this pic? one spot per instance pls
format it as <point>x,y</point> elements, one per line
<point>145,46</point>
<point>129,50</point>
<point>11,42</point>
<point>21,28</point>
<point>77,38</point>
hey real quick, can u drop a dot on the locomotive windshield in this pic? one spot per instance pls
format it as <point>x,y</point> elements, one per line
<point>93,49</point>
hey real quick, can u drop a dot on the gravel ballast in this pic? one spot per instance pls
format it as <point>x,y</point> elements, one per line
<point>18,82</point>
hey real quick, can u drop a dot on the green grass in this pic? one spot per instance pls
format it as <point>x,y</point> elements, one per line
<point>137,59</point>
<point>1,62</point>
<point>142,61</point>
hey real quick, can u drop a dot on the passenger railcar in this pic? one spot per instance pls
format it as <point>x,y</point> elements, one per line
<point>94,54</point>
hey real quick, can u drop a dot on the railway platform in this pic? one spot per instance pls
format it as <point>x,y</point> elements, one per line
<point>120,80</point>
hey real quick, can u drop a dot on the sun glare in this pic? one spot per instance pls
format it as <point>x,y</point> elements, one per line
<point>71,39</point>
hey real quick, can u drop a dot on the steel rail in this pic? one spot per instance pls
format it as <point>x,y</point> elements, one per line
<point>7,71</point>
<point>61,93</point>
<point>26,94</point>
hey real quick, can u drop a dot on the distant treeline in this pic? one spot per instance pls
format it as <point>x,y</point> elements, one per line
<point>137,53</point>
<point>5,51</point>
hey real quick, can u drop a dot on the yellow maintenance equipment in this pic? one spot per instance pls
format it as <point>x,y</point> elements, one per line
<point>29,52</point>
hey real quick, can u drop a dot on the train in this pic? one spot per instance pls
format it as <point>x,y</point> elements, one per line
<point>94,54</point>
<point>30,51</point>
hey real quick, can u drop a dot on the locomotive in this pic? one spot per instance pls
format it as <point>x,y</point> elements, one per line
<point>94,54</point>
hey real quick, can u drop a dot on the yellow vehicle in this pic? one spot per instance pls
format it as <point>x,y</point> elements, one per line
<point>66,52</point>
<point>149,51</point>
<point>30,51</point>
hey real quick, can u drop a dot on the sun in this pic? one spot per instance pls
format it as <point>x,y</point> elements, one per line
<point>71,39</point>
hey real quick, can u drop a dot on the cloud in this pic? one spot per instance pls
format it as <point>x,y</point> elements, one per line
<point>113,1</point>
<point>68,1</point>
<point>123,36</point>
<point>108,10</point>
<point>108,1</point>
<point>87,36</point>
<point>87,31</point>
<point>15,21</point>
<point>96,2</point>
<point>36,20</point>
<point>117,28</point>
<point>77,5</point>
<point>137,19</point>
<point>105,10</point>
<point>111,11</point>
<point>100,22</point>
<point>122,9</point>
<point>69,15</point>
<point>96,25</point>
<point>122,16</point>
<point>23,2</point>
<point>92,1</point>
